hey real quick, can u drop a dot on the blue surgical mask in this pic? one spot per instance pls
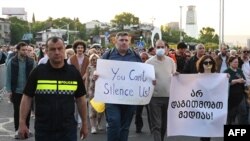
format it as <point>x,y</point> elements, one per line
<point>160,52</point>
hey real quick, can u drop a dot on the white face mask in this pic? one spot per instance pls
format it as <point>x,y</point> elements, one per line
<point>160,52</point>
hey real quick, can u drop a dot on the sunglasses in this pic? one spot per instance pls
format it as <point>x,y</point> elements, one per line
<point>207,62</point>
<point>123,40</point>
<point>246,51</point>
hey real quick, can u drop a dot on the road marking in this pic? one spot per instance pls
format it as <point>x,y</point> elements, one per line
<point>4,130</point>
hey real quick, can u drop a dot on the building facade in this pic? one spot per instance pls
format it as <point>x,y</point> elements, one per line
<point>4,31</point>
<point>42,36</point>
<point>248,43</point>
<point>173,25</point>
<point>191,22</point>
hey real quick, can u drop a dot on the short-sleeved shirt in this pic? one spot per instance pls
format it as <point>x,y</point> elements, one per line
<point>55,91</point>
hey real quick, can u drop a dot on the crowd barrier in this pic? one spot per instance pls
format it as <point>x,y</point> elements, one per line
<point>2,76</point>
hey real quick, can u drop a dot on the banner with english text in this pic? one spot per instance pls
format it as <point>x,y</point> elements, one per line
<point>122,82</point>
<point>198,105</point>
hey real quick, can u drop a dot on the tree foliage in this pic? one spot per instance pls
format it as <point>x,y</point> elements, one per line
<point>172,36</point>
<point>123,19</point>
<point>207,34</point>
<point>17,29</point>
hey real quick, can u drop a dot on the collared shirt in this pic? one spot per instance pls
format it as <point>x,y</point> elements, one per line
<point>55,91</point>
<point>44,60</point>
<point>21,81</point>
<point>246,71</point>
<point>130,56</point>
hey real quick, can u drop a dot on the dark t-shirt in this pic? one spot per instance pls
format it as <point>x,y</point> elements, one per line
<point>55,91</point>
<point>236,91</point>
<point>180,60</point>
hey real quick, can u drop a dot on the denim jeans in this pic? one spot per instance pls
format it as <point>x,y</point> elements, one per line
<point>119,118</point>
<point>63,135</point>
<point>138,118</point>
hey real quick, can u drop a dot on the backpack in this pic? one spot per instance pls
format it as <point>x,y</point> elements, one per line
<point>111,50</point>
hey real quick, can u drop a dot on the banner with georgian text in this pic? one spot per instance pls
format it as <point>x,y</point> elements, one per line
<point>198,105</point>
<point>123,82</point>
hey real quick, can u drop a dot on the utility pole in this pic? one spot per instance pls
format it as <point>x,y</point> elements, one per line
<point>221,23</point>
<point>68,34</point>
<point>181,38</point>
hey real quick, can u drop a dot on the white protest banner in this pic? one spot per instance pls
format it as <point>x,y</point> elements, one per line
<point>198,105</point>
<point>122,82</point>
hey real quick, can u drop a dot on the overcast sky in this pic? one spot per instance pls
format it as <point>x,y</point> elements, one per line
<point>237,21</point>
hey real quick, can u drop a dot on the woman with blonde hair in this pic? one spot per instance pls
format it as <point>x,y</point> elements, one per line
<point>69,52</point>
<point>95,118</point>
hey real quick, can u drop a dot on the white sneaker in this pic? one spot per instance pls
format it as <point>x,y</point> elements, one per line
<point>32,115</point>
<point>79,125</point>
<point>16,136</point>
<point>30,134</point>
<point>100,128</point>
<point>93,130</point>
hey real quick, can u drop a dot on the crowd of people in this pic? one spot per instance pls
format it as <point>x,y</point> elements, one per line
<point>57,82</point>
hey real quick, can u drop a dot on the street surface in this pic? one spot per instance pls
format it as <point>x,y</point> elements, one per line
<point>7,128</point>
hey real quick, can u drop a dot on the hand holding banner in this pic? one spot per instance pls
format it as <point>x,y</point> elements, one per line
<point>123,82</point>
<point>198,105</point>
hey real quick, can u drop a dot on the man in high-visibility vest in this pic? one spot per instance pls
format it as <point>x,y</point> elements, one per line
<point>56,86</point>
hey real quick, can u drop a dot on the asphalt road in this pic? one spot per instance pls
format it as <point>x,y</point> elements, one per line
<point>7,128</point>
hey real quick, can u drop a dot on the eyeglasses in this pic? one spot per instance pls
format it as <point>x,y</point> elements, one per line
<point>207,62</point>
<point>123,40</point>
<point>246,51</point>
<point>160,47</point>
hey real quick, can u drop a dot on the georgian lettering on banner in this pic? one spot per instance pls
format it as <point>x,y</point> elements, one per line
<point>198,105</point>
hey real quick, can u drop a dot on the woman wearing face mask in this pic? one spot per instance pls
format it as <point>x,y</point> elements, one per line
<point>164,68</point>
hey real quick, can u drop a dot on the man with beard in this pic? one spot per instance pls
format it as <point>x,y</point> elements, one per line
<point>221,59</point>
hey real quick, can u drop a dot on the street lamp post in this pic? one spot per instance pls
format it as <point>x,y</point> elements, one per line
<point>221,23</point>
<point>181,23</point>
<point>67,33</point>
<point>66,24</point>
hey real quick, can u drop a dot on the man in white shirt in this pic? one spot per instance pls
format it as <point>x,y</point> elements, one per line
<point>244,64</point>
<point>164,69</point>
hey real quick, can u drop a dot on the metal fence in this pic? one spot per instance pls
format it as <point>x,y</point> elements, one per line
<point>2,80</point>
<point>2,76</point>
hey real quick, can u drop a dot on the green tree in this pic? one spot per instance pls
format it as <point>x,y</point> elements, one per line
<point>207,34</point>
<point>173,35</point>
<point>96,31</point>
<point>123,19</point>
<point>17,29</point>
<point>38,26</point>
<point>211,46</point>
<point>189,38</point>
